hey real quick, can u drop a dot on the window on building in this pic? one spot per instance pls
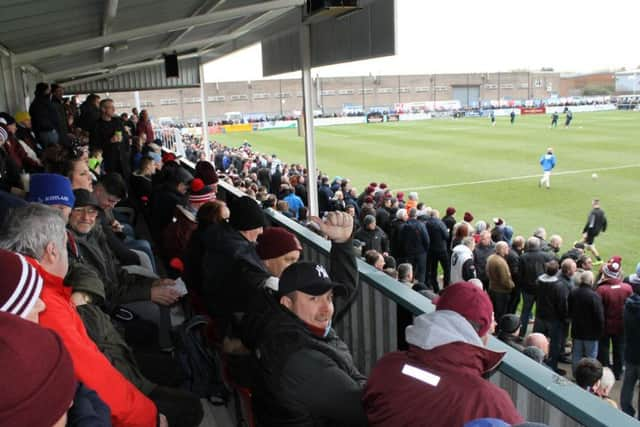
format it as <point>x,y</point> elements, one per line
<point>386,90</point>
<point>218,98</point>
<point>422,89</point>
<point>239,97</point>
<point>169,101</point>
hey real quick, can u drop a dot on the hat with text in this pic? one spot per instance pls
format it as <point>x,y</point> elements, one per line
<point>50,189</point>
<point>309,278</point>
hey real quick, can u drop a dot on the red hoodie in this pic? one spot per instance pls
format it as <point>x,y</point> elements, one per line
<point>129,407</point>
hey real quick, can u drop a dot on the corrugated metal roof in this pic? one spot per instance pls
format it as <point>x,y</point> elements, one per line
<point>152,77</point>
<point>66,40</point>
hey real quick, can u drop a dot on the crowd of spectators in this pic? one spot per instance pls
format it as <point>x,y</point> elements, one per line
<point>78,186</point>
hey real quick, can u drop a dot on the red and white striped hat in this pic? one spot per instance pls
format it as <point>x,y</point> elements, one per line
<point>20,285</point>
<point>201,193</point>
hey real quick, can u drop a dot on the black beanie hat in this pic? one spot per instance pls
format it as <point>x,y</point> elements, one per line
<point>509,323</point>
<point>246,214</point>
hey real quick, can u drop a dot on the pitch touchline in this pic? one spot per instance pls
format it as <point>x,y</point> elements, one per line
<point>515,178</point>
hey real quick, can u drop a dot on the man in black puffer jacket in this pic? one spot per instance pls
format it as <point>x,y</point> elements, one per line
<point>532,263</point>
<point>303,372</point>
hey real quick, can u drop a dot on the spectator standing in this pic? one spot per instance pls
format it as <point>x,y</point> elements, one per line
<point>500,282</point>
<point>415,245</point>
<point>631,350</point>
<point>44,118</point>
<point>587,318</point>
<point>438,254</point>
<point>614,293</point>
<point>144,126</point>
<point>532,265</point>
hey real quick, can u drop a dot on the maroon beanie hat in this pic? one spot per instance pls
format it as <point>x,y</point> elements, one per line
<point>37,372</point>
<point>612,268</point>
<point>20,286</point>
<point>470,302</point>
<point>400,195</point>
<point>206,172</point>
<point>451,210</point>
<point>275,242</point>
<point>468,217</point>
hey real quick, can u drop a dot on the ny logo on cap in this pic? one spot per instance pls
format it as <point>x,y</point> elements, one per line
<point>322,273</point>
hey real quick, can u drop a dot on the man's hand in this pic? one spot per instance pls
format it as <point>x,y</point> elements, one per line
<point>337,226</point>
<point>163,282</point>
<point>164,295</point>
<point>116,226</point>
<point>162,421</point>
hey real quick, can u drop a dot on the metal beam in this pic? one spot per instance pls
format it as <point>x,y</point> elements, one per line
<point>196,44</point>
<point>307,111</point>
<point>205,8</point>
<point>110,12</point>
<point>261,20</point>
<point>152,30</point>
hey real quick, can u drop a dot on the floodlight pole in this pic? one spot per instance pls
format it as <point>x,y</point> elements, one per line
<point>307,110</point>
<point>203,112</point>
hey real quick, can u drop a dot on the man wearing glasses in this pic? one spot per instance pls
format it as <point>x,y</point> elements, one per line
<point>93,249</point>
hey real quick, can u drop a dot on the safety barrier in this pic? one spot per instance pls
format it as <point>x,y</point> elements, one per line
<point>369,329</point>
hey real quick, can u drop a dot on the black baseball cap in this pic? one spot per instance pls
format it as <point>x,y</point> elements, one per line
<point>309,278</point>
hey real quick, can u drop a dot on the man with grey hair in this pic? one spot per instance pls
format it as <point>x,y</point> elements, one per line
<point>415,245</point>
<point>481,253</point>
<point>462,265</point>
<point>438,237</point>
<point>532,265</point>
<point>38,231</point>
<point>587,317</point>
<point>500,281</point>
<point>555,242</point>
<point>395,233</point>
<point>541,235</point>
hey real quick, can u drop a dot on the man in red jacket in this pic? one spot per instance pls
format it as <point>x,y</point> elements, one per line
<point>614,292</point>
<point>438,381</point>
<point>39,232</point>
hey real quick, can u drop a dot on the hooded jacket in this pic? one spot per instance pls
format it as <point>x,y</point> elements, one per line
<point>129,407</point>
<point>439,380</point>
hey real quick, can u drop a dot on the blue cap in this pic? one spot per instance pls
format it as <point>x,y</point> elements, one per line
<point>154,156</point>
<point>50,189</point>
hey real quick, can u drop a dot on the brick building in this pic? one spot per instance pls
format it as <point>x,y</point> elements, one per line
<point>335,94</point>
<point>582,84</point>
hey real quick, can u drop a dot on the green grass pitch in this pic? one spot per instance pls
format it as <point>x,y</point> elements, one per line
<point>493,171</point>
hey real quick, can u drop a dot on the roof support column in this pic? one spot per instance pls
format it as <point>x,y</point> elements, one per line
<point>307,111</point>
<point>203,112</point>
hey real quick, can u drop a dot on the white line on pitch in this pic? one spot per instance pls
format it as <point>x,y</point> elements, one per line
<point>515,178</point>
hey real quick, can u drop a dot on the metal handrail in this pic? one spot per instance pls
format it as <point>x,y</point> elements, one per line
<point>569,405</point>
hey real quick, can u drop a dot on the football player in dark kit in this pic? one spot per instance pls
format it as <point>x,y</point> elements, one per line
<point>569,117</point>
<point>554,119</point>
<point>512,116</point>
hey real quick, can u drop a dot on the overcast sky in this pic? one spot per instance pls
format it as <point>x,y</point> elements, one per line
<point>485,36</point>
